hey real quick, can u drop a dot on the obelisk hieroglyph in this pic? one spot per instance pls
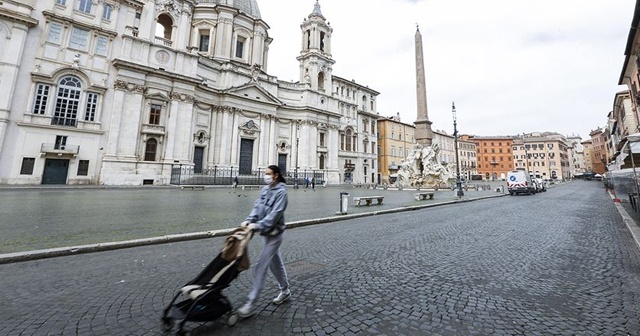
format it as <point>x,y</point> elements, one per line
<point>424,134</point>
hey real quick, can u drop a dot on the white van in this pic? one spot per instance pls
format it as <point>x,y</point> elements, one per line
<point>519,182</point>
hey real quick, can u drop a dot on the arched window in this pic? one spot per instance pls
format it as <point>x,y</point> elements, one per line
<point>67,102</point>
<point>164,27</point>
<point>150,150</point>
<point>321,81</point>
<point>348,135</point>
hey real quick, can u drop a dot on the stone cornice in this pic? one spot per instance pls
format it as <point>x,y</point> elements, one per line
<point>133,3</point>
<point>51,15</point>
<point>68,129</point>
<point>17,17</point>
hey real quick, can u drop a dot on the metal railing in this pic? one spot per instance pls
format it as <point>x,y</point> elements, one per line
<point>188,175</point>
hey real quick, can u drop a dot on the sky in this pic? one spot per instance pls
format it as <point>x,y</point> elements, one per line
<point>510,66</point>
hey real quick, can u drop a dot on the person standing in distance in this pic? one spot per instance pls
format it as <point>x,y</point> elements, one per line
<point>267,217</point>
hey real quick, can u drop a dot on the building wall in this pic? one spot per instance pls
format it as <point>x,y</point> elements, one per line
<point>599,157</point>
<point>542,153</point>
<point>576,155</point>
<point>588,155</point>
<point>396,141</point>
<point>494,155</point>
<point>149,101</point>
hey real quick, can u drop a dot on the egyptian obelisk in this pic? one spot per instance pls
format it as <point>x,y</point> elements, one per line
<point>424,134</point>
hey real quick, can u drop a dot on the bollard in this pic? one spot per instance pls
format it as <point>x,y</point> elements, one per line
<point>344,203</point>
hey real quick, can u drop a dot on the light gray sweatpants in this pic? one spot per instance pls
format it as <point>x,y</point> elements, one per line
<point>269,259</point>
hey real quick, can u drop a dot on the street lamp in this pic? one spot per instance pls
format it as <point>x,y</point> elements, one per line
<point>459,191</point>
<point>295,174</point>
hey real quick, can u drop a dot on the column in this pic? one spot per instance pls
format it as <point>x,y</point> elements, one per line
<point>213,144</point>
<point>226,139</point>
<point>171,130</point>
<point>111,149</point>
<point>130,124</point>
<point>272,141</point>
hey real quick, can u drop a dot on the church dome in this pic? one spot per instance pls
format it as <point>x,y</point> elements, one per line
<point>250,7</point>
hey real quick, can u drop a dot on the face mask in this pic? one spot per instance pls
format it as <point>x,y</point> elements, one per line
<point>268,179</point>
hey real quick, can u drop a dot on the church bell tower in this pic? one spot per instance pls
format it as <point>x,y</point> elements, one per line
<point>315,56</point>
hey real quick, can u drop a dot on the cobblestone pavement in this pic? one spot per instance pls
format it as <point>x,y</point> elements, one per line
<point>41,218</point>
<point>556,263</point>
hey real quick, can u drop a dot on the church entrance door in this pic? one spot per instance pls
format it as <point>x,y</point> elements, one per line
<point>246,156</point>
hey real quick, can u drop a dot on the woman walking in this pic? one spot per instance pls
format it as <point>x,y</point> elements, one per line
<point>267,217</point>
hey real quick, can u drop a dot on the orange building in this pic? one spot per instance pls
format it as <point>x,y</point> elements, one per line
<point>599,158</point>
<point>494,155</point>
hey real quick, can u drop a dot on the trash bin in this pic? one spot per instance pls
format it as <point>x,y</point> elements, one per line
<point>344,202</point>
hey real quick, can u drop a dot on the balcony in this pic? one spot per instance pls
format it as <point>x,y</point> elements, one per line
<point>49,148</point>
<point>60,121</point>
<point>152,129</point>
<point>163,41</point>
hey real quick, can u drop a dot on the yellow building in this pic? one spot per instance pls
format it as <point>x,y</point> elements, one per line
<point>544,153</point>
<point>395,143</point>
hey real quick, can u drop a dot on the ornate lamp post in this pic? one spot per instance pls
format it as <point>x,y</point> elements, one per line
<point>459,191</point>
<point>295,174</point>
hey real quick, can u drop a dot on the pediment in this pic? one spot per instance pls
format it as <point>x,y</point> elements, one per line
<point>157,96</point>
<point>254,92</point>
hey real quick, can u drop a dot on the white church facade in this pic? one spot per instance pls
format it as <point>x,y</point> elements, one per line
<point>121,92</point>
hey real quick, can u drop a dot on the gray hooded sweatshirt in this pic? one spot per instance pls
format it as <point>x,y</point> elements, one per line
<point>268,210</point>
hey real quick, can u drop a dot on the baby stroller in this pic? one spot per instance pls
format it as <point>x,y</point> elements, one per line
<point>203,299</point>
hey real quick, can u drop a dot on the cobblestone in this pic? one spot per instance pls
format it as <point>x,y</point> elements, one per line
<point>557,263</point>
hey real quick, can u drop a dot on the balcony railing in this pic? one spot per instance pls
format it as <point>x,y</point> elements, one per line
<point>60,121</point>
<point>163,41</point>
<point>49,148</point>
<point>152,129</point>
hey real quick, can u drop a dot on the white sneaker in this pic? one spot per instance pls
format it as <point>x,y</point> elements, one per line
<point>246,310</point>
<point>282,297</point>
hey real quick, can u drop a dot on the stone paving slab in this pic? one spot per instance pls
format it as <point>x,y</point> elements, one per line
<point>557,263</point>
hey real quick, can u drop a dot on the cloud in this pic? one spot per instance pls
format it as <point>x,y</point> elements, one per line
<point>511,66</point>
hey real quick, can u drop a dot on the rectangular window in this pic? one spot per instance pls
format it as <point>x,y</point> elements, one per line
<point>79,39</point>
<point>154,114</point>
<point>42,95</point>
<point>106,12</point>
<point>240,46</point>
<point>83,168</point>
<point>61,2</point>
<point>204,41</point>
<point>85,5</point>
<point>321,139</point>
<point>92,106</point>
<point>55,32</point>
<point>101,45</point>
<point>27,166</point>
<point>61,142</point>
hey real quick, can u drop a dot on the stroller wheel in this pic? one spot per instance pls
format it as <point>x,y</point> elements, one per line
<point>167,323</point>
<point>232,320</point>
